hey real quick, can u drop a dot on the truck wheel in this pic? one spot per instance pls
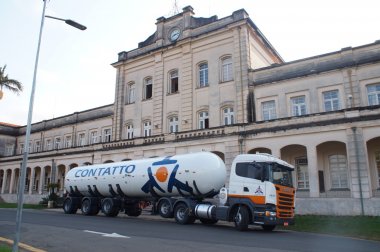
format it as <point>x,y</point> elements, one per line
<point>109,207</point>
<point>182,214</point>
<point>165,209</point>
<point>69,206</point>
<point>86,207</point>
<point>208,221</point>
<point>269,227</point>
<point>241,218</point>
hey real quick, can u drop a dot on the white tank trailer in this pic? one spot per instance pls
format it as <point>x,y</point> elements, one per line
<point>178,186</point>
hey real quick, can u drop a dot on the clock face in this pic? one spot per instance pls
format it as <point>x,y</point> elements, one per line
<point>174,35</point>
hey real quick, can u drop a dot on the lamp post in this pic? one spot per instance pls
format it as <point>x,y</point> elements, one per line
<point>20,195</point>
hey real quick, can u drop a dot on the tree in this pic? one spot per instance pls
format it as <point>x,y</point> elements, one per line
<point>10,84</point>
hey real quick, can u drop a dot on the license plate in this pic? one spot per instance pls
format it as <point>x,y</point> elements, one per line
<point>286,224</point>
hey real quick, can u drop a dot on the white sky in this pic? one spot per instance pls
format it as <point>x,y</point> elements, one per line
<point>75,74</point>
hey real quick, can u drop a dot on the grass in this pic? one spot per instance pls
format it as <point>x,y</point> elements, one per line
<point>26,206</point>
<point>364,227</point>
<point>5,248</point>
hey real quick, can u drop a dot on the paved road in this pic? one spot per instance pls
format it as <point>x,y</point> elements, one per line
<point>56,231</point>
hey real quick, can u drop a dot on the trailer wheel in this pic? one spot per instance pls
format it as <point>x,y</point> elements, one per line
<point>86,207</point>
<point>268,227</point>
<point>70,206</point>
<point>241,218</point>
<point>182,214</point>
<point>208,221</point>
<point>109,208</point>
<point>165,209</point>
<point>134,213</point>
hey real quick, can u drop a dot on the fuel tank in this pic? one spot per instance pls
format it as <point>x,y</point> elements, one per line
<point>199,174</point>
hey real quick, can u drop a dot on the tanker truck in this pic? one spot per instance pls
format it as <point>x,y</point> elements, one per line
<point>188,187</point>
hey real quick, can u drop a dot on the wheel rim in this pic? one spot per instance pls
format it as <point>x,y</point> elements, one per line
<point>86,206</point>
<point>181,213</point>
<point>165,208</point>
<point>106,206</point>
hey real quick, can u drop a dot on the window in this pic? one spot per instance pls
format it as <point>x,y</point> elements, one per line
<point>302,173</point>
<point>9,149</point>
<point>107,135</point>
<point>226,69</point>
<point>269,110</point>
<point>331,100</point>
<point>21,148</point>
<point>173,82</point>
<point>148,88</point>
<point>37,146</point>
<point>249,170</point>
<point>228,115</point>
<point>57,143</point>
<point>93,137</point>
<point>131,93</point>
<point>373,94</point>
<point>147,129</point>
<point>48,144</point>
<point>338,171</point>
<point>173,124</point>
<point>81,139</point>
<point>203,75</point>
<point>203,120</point>
<point>377,162</point>
<point>298,106</point>
<point>129,131</point>
<point>68,141</point>
<point>30,145</point>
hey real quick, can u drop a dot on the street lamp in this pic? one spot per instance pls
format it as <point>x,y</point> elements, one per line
<point>20,194</point>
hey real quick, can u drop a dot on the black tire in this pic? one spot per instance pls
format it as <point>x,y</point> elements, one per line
<point>268,227</point>
<point>165,209</point>
<point>86,207</point>
<point>241,218</point>
<point>182,214</point>
<point>90,206</point>
<point>70,206</point>
<point>110,208</point>
<point>208,221</point>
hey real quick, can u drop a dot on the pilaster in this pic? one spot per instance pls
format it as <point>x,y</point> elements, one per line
<point>312,168</point>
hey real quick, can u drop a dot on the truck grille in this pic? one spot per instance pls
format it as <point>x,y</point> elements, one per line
<point>285,202</point>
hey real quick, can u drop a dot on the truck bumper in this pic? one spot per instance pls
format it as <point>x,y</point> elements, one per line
<point>273,220</point>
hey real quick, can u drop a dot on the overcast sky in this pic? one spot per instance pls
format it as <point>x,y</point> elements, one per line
<point>75,74</point>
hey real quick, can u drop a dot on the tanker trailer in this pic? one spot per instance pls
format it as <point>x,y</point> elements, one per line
<point>260,189</point>
<point>129,185</point>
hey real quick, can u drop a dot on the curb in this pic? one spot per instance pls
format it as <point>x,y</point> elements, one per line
<point>22,245</point>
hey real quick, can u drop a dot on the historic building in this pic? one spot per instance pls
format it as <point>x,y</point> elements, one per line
<point>209,84</point>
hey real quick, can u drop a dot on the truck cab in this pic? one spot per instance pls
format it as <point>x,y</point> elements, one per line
<point>261,187</point>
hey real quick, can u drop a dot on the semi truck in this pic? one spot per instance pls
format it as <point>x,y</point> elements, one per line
<point>188,187</point>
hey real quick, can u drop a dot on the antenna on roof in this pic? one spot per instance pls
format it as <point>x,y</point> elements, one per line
<point>174,10</point>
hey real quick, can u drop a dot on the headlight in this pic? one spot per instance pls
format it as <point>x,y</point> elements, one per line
<point>269,213</point>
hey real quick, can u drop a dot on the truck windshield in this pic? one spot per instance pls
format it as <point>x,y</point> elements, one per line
<point>279,174</point>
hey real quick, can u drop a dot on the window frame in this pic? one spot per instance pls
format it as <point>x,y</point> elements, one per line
<point>229,116</point>
<point>203,119</point>
<point>93,137</point>
<point>375,94</point>
<point>81,139</point>
<point>203,80</point>
<point>131,92</point>
<point>57,144</point>
<point>272,111</point>
<point>337,173</point>
<point>148,88</point>
<point>147,128</point>
<point>129,131</point>
<point>107,135</point>
<point>68,141</point>
<point>226,69</point>
<point>298,109</point>
<point>173,81</point>
<point>173,124</point>
<point>334,106</point>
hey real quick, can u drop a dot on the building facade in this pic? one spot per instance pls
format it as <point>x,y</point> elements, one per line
<point>209,84</point>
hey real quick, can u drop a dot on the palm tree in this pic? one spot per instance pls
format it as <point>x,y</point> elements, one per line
<point>10,84</point>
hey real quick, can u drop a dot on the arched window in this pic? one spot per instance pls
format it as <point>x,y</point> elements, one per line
<point>226,69</point>
<point>173,82</point>
<point>131,92</point>
<point>228,116</point>
<point>173,124</point>
<point>338,171</point>
<point>148,88</point>
<point>129,131</point>
<point>147,127</point>
<point>203,120</point>
<point>203,75</point>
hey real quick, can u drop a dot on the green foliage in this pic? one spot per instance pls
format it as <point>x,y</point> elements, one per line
<point>26,206</point>
<point>5,248</point>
